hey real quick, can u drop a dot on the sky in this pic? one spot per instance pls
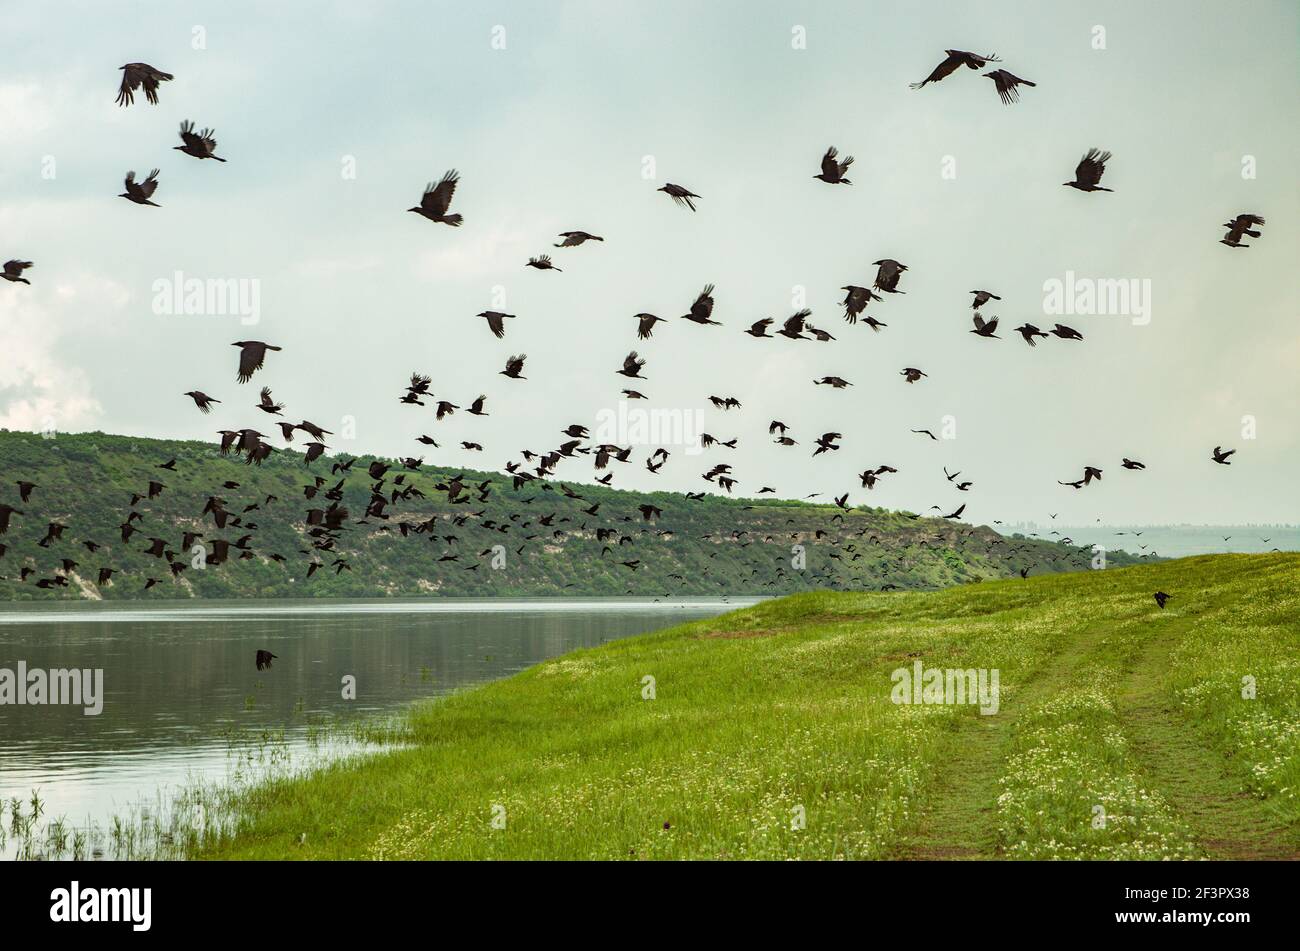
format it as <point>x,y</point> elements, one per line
<point>568,116</point>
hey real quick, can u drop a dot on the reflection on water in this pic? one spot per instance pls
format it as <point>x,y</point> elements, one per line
<point>181,689</point>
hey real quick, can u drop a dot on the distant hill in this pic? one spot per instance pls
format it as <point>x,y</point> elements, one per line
<point>546,542</point>
<point>1178,541</point>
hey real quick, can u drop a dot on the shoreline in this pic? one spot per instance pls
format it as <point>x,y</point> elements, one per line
<point>783,706</point>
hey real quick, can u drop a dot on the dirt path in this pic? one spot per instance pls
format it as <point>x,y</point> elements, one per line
<point>959,821</point>
<point>1227,823</point>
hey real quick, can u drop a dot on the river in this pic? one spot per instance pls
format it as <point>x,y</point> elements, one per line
<point>183,702</point>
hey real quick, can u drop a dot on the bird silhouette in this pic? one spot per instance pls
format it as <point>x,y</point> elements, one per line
<point>632,365</point>
<point>496,321</point>
<point>135,75</point>
<point>1030,332</point>
<point>826,442</point>
<point>954,60</point>
<point>13,271</point>
<point>702,309</point>
<point>679,194</point>
<point>646,325</point>
<point>1006,84</point>
<point>887,274</point>
<point>542,263</point>
<point>6,512</point>
<point>141,192</point>
<point>985,328</point>
<point>437,199</point>
<point>201,400</point>
<point>201,145</point>
<point>574,238</point>
<point>1240,227</point>
<point>794,326</point>
<point>267,404</point>
<point>252,355</point>
<point>832,171</point>
<point>515,367</point>
<point>1089,171</point>
<point>856,300</point>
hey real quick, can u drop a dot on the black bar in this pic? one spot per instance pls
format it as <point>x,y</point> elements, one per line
<point>943,901</point>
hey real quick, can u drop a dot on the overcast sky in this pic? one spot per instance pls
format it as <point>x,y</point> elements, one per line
<point>552,133</point>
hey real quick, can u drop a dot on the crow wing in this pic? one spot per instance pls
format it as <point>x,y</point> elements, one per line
<point>437,198</point>
<point>1091,166</point>
<point>830,168</point>
<point>703,306</point>
<point>251,358</point>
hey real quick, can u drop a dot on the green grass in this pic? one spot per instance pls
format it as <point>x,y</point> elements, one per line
<point>784,709</point>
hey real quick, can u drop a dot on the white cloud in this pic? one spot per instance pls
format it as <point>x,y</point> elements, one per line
<point>39,387</point>
<point>24,111</point>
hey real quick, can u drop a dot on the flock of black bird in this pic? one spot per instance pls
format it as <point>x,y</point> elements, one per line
<point>324,524</point>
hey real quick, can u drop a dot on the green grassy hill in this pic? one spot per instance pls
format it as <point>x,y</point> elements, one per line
<point>1122,732</point>
<point>550,544</point>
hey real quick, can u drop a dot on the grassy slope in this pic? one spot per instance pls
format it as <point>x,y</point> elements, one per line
<point>86,481</point>
<point>1106,700</point>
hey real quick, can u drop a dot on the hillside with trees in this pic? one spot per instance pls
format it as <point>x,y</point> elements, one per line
<point>477,535</point>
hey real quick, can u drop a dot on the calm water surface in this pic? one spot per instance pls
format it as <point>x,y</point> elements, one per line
<point>180,679</point>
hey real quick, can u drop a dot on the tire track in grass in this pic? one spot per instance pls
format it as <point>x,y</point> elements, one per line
<point>1227,821</point>
<point>959,820</point>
